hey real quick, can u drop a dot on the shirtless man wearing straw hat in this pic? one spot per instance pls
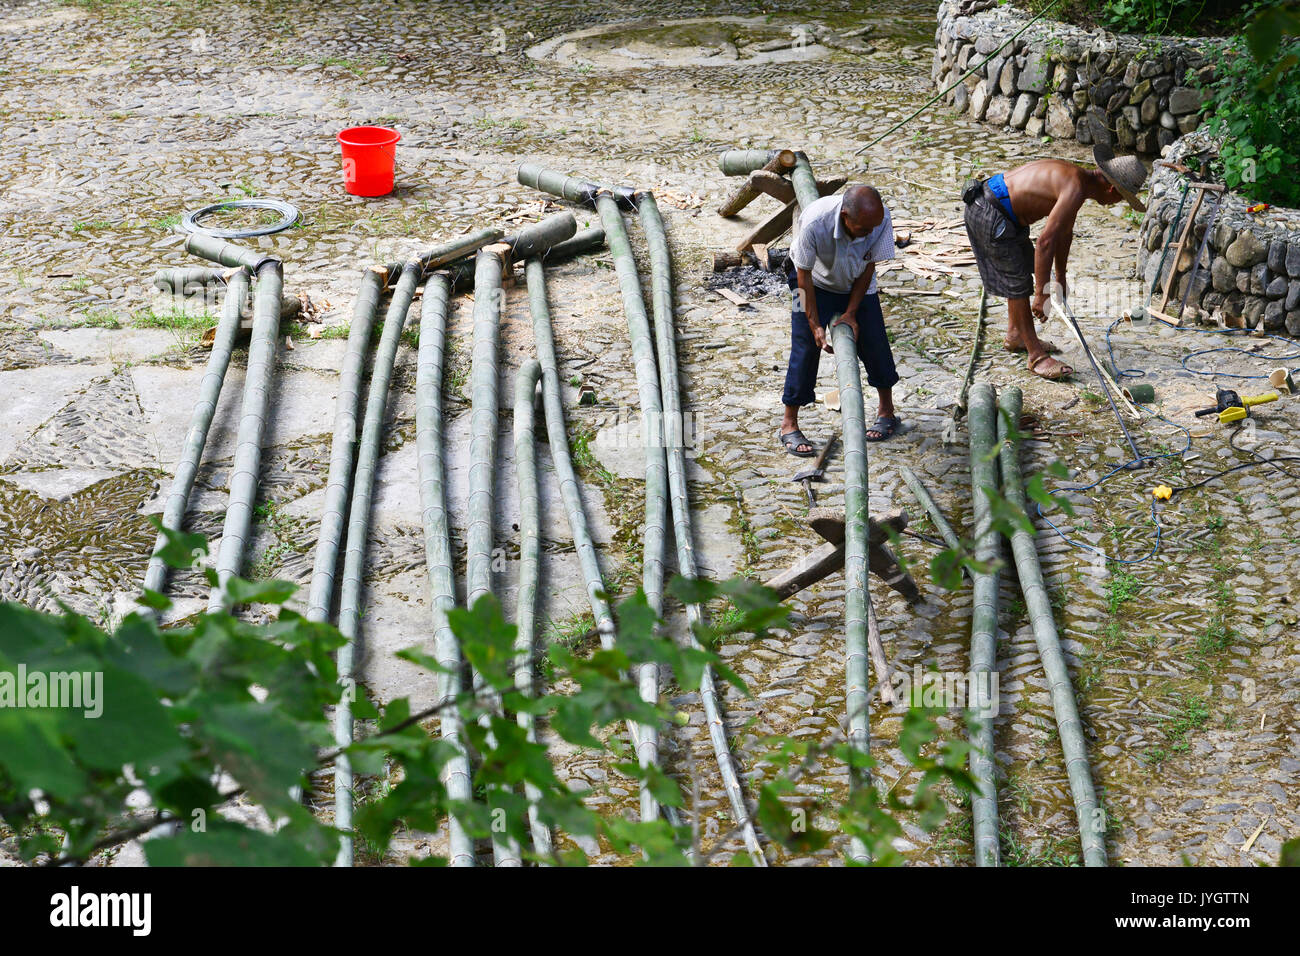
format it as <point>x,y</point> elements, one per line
<point>999,212</point>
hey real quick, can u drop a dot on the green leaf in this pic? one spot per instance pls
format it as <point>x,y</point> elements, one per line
<point>229,844</point>
<point>181,550</point>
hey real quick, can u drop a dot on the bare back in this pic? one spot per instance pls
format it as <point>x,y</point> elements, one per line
<point>1036,188</point>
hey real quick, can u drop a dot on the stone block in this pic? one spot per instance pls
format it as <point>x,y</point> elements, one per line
<point>1246,250</point>
<point>1033,77</point>
<point>1060,124</point>
<point>979,100</point>
<point>1034,127</point>
<point>1293,295</point>
<point>1293,322</point>
<point>1277,256</point>
<point>1188,123</point>
<point>1184,100</point>
<point>1293,259</point>
<point>1277,286</point>
<point>1162,84</point>
<point>1252,310</point>
<point>1007,81</point>
<point>1149,110</point>
<point>1168,121</point>
<point>999,111</point>
<point>1222,275</point>
<point>1274,317</point>
<point>1259,279</point>
<point>1023,109</point>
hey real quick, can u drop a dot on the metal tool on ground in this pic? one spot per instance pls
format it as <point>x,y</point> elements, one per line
<point>817,472</point>
<point>1139,460</point>
<point>1161,312</point>
<point>950,429</point>
<point>1232,407</point>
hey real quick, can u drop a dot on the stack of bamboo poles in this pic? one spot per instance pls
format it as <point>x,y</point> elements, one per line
<point>660,396</point>
<point>994,449</point>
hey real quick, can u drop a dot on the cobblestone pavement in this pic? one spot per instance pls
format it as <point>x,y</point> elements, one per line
<point>119,119</point>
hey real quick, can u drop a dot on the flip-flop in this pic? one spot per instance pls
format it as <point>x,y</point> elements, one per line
<point>1051,347</point>
<point>792,441</point>
<point>1055,371</point>
<point>884,426</point>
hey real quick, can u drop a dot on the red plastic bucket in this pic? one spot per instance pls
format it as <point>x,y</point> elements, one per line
<point>369,154</point>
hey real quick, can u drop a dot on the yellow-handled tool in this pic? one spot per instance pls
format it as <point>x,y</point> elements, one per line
<point>1232,407</point>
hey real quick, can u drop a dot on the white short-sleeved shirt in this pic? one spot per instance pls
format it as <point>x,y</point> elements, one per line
<point>822,246</point>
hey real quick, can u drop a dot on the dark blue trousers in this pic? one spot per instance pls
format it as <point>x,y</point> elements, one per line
<point>805,356</point>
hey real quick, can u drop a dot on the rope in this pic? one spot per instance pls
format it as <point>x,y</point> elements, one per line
<point>961,79</point>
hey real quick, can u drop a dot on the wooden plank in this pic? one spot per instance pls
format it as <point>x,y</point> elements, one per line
<point>773,227</point>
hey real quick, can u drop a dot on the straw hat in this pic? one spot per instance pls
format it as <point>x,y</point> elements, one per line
<point>1126,173</point>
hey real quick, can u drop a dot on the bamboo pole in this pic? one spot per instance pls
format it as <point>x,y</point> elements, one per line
<point>558,439</point>
<point>530,548</point>
<point>354,557</point>
<point>854,424</point>
<point>804,182</point>
<point>437,543</point>
<point>227,253</point>
<point>923,498</point>
<point>484,421</point>
<point>252,423</point>
<point>656,501</point>
<point>748,191</point>
<point>457,248</point>
<point>343,446</point>
<point>742,162</point>
<point>188,280</point>
<point>570,491</point>
<point>674,428</point>
<point>1092,829</point>
<point>205,407</point>
<point>984,620</point>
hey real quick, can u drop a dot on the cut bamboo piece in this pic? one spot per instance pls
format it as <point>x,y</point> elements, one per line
<point>857,691</point>
<point>984,621</point>
<point>530,553</point>
<point>742,162</point>
<point>354,557</point>
<point>437,545</point>
<point>252,423</point>
<point>1091,817</point>
<point>484,422</point>
<point>205,407</point>
<point>674,439</point>
<point>748,191</point>
<point>343,446</point>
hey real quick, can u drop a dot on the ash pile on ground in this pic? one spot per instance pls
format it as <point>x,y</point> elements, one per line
<point>751,281</point>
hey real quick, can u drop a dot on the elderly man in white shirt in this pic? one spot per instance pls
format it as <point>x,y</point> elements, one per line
<point>832,272</point>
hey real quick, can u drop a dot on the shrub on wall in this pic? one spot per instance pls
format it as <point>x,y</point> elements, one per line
<point>1257,115</point>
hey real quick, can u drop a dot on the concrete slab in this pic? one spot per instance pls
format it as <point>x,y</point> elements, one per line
<point>33,395</point>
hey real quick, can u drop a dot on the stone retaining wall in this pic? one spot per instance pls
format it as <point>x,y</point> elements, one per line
<point>1251,266</point>
<point>1093,86</point>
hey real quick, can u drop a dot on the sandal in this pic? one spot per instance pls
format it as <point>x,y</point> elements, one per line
<point>1049,368</point>
<point>792,441</point>
<point>884,426</point>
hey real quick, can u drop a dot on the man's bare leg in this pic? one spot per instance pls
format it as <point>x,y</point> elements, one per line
<point>1016,340</point>
<point>1020,328</point>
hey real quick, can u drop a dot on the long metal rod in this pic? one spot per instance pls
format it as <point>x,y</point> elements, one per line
<point>354,557</point>
<point>1092,828</point>
<point>437,543</point>
<point>856,502</point>
<point>984,621</point>
<point>205,407</point>
<point>343,446</point>
<point>674,435</point>
<point>252,424</point>
<point>530,553</point>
